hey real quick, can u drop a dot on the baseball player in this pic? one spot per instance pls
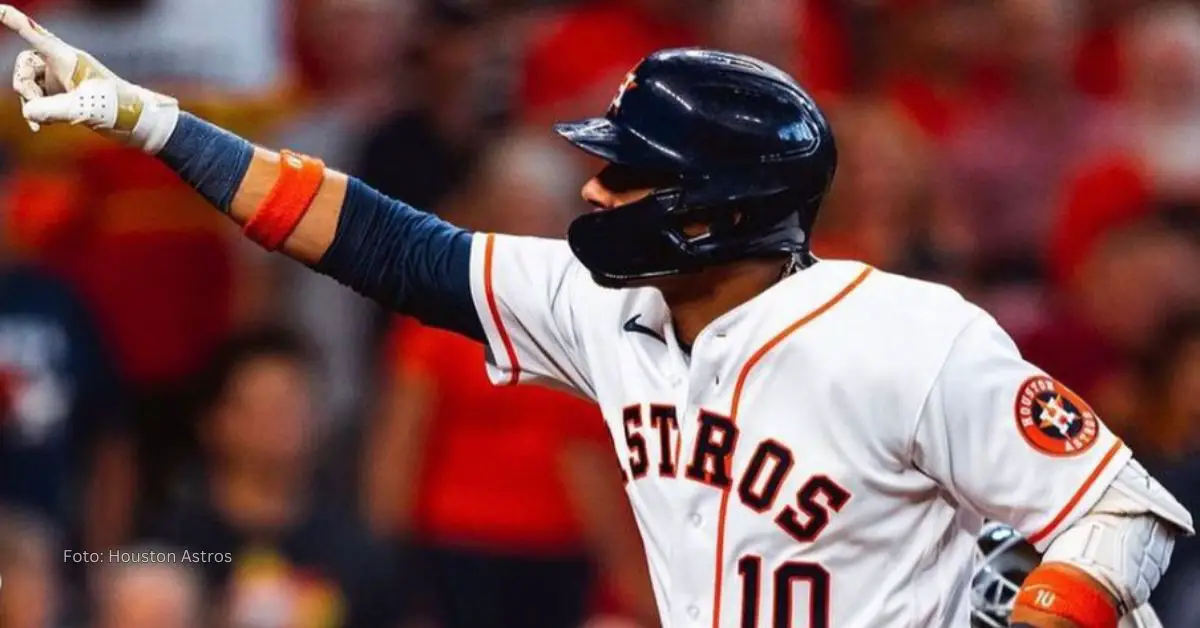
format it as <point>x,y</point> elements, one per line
<point>805,443</point>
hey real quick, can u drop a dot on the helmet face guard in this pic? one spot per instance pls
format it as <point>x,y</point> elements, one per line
<point>751,158</point>
<point>657,236</point>
<point>631,242</point>
<point>1005,559</point>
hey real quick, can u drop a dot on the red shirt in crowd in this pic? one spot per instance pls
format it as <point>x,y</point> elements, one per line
<point>151,258</point>
<point>1107,192</point>
<point>584,50</point>
<point>491,470</point>
<point>823,62</point>
<point>1099,64</point>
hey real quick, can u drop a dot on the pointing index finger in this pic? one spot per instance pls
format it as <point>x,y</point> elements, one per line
<point>40,38</point>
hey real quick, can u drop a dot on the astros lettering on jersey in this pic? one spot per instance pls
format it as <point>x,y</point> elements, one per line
<point>773,468</point>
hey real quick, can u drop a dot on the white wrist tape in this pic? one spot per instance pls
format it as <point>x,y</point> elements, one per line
<point>157,122</point>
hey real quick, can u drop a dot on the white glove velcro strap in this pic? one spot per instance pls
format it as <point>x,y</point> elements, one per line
<point>93,104</point>
<point>130,114</point>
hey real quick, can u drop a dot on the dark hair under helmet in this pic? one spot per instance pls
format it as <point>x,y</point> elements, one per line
<point>739,147</point>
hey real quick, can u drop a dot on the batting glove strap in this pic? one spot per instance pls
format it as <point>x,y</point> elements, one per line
<point>127,113</point>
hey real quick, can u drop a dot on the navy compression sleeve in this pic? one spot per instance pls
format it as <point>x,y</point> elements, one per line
<point>410,261</point>
<point>207,157</point>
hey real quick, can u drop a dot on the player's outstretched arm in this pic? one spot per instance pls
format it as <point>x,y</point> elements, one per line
<point>408,260</point>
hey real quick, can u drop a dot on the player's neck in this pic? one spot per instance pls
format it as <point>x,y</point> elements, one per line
<point>702,298</point>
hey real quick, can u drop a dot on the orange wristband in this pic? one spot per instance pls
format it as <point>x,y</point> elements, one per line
<point>276,218</point>
<point>1064,592</point>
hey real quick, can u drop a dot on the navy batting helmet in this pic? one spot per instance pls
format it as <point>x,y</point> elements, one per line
<point>733,143</point>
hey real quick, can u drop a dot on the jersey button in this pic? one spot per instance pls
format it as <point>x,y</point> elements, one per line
<point>693,611</point>
<point>695,519</point>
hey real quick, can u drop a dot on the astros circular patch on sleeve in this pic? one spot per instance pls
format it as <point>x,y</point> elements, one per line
<point>1053,419</point>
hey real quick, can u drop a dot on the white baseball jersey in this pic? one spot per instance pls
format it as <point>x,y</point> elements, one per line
<point>825,455</point>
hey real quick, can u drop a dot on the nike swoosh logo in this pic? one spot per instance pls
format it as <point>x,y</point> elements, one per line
<point>632,325</point>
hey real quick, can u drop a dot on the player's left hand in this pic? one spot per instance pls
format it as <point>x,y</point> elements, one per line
<point>58,83</point>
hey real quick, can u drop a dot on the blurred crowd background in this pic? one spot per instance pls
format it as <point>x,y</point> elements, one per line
<point>164,385</point>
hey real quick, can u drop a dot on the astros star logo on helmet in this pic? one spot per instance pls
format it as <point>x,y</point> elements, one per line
<point>629,83</point>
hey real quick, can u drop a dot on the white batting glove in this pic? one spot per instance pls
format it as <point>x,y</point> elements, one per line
<point>58,83</point>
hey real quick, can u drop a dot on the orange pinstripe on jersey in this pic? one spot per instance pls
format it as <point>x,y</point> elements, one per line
<point>737,396</point>
<point>515,369</point>
<point>1087,484</point>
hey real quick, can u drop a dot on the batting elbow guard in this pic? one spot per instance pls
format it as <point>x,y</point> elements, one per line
<point>1124,542</point>
<point>1107,563</point>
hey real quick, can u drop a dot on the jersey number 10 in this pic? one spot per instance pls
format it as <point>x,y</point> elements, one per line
<point>750,569</point>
